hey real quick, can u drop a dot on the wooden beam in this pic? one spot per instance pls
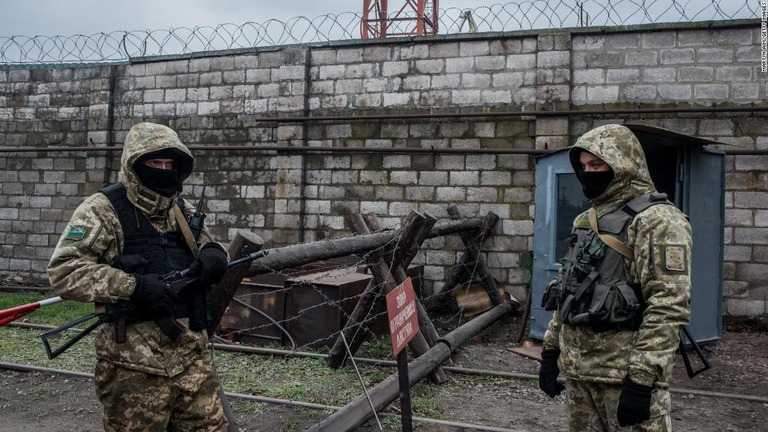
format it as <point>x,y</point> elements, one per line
<point>305,253</point>
<point>473,259</point>
<point>221,294</point>
<point>406,241</point>
<point>356,327</point>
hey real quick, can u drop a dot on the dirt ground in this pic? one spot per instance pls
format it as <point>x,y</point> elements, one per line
<point>44,402</point>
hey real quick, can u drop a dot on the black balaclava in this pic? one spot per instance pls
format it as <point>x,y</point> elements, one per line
<point>164,182</point>
<point>593,184</point>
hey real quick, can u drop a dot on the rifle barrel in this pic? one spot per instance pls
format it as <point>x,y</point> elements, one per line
<point>252,257</point>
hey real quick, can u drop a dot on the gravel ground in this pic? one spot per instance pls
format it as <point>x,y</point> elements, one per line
<point>46,402</point>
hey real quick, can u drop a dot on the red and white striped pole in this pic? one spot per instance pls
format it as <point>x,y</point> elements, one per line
<point>14,313</point>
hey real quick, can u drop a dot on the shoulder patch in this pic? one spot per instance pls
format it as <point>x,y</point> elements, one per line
<point>675,258</point>
<point>77,233</point>
<point>581,222</point>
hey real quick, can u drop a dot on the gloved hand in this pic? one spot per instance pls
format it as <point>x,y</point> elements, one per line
<point>548,373</point>
<point>210,264</point>
<point>154,296</point>
<point>634,403</point>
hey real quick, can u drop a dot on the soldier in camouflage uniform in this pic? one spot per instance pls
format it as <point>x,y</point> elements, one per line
<point>114,249</point>
<point>617,360</point>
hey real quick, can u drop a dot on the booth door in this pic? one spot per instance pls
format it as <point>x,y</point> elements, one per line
<point>558,201</point>
<point>704,203</point>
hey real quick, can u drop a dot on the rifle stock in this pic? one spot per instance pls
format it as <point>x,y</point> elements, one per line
<point>54,352</point>
<point>688,368</point>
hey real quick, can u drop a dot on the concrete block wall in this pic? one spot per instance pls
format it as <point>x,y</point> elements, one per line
<point>236,98</point>
<point>690,67</point>
<point>687,66</point>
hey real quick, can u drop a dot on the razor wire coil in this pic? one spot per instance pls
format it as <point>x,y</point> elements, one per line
<point>120,46</point>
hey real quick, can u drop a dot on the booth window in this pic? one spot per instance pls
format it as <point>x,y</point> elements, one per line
<point>570,203</point>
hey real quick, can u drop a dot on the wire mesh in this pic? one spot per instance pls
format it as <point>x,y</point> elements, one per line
<point>119,46</point>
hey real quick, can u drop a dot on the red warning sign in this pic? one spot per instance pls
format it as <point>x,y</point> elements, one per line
<point>403,319</point>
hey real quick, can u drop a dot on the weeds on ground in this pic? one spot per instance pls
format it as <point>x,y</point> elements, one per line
<point>293,378</point>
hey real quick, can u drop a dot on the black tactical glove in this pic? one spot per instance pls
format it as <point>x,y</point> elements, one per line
<point>153,296</point>
<point>210,264</point>
<point>634,403</point>
<point>548,373</point>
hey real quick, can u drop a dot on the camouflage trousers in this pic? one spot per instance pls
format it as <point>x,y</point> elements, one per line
<point>592,407</point>
<point>136,401</point>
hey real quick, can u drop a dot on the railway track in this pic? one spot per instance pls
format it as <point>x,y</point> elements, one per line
<point>391,363</point>
<point>275,401</point>
<point>23,289</point>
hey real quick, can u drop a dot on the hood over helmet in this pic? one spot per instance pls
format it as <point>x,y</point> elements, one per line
<point>618,147</point>
<point>147,141</point>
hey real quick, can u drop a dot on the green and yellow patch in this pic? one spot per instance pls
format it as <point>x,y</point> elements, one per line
<point>76,233</point>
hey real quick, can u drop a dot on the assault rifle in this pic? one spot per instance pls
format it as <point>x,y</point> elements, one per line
<point>122,312</point>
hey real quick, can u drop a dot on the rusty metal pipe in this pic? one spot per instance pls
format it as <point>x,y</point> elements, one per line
<point>284,149</point>
<point>407,116</point>
<point>306,149</point>
<point>391,363</point>
<point>553,113</point>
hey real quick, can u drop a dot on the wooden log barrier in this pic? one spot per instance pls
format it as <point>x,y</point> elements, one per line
<point>304,253</point>
<point>472,258</point>
<point>385,280</point>
<point>371,300</point>
<point>406,240</point>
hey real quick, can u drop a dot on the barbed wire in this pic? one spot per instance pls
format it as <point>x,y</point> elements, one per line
<point>299,307</point>
<point>119,46</point>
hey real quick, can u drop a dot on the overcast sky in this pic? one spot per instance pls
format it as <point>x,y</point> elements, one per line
<point>71,17</point>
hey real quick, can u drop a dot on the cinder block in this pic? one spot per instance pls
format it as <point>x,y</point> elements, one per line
<point>548,59</point>
<point>457,65</point>
<point>675,91</point>
<point>695,38</point>
<point>618,76</point>
<point>735,290</point>
<point>696,73</point>
<point>588,43</point>
<point>451,194</point>
<point>482,194</point>
<point>714,55</point>
<point>639,92</point>
<point>677,56</point>
<point>623,40</point>
<point>603,94</point>
<point>474,48</point>
<point>745,307</point>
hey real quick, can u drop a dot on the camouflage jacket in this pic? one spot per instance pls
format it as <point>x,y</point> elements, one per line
<point>80,267</point>
<point>656,235</point>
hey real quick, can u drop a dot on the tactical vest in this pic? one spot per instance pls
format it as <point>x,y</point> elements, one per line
<point>594,287</point>
<point>146,250</point>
